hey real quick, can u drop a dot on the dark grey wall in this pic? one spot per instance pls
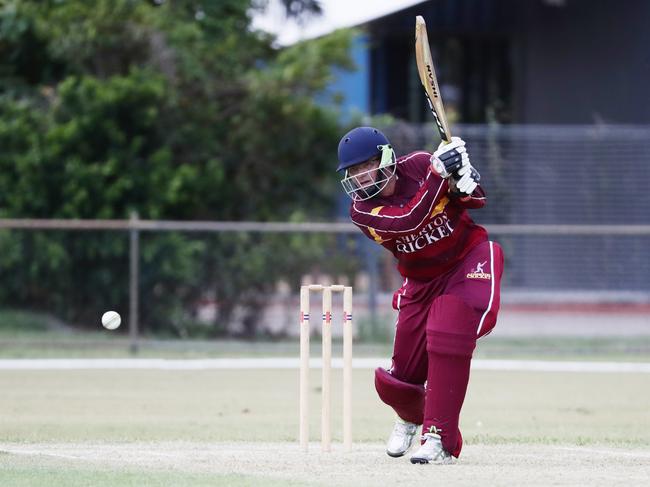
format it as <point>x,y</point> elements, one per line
<point>584,62</point>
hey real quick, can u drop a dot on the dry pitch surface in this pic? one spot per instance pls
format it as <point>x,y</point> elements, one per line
<point>282,464</point>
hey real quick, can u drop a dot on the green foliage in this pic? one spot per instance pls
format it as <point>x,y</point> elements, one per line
<point>174,110</point>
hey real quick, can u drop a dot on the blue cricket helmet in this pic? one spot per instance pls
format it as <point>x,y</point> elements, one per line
<point>359,145</point>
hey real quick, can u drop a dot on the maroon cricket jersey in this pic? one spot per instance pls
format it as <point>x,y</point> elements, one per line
<point>427,229</point>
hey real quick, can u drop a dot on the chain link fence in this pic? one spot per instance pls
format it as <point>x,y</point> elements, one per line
<point>569,205</point>
<point>558,176</point>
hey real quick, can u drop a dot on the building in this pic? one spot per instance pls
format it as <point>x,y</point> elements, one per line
<point>513,61</point>
<point>565,82</point>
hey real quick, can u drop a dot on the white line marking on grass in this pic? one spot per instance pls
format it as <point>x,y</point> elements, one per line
<point>552,366</point>
<point>293,363</point>
<point>616,453</point>
<point>40,453</point>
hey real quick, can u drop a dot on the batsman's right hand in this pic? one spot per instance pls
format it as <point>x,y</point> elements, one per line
<point>449,158</point>
<point>465,180</point>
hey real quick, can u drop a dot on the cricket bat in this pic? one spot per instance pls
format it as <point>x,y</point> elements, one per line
<point>429,80</point>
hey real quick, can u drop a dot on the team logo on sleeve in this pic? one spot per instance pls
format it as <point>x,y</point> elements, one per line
<point>479,273</point>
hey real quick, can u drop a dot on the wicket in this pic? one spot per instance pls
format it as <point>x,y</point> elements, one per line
<point>327,365</point>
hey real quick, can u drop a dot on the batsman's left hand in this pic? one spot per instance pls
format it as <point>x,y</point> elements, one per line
<point>449,158</point>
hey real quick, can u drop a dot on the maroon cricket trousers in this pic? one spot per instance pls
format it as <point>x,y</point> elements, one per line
<point>439,321</point>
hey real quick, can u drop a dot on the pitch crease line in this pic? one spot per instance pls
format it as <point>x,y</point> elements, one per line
<point>294,363</point>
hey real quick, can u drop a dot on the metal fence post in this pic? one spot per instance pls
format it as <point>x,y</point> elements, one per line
<point>134,272</point>
<point>371,264</point>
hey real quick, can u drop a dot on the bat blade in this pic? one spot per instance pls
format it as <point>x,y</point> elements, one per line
<point>428,78</point>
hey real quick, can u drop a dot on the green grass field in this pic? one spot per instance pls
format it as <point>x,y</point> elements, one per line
<point>239,427</point>
<point>178,428</point>
<point>30,335</point>
<point>107,345</point>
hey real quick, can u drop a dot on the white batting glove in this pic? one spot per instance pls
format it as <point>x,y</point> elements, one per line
<point>450,157</point>
<point>466,179</point>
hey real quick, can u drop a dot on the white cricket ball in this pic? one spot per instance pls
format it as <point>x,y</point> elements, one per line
<point>111,320</point>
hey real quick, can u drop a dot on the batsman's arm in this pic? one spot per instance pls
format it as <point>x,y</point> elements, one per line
<point>387,222</point>
<point>477,199</point>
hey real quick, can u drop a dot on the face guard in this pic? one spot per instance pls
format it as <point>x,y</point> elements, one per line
<point>378,177</point>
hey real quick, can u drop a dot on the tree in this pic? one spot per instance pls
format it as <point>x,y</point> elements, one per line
<point>175,110</point>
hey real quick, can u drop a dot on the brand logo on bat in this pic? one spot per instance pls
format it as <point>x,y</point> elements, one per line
<point>432,81</point>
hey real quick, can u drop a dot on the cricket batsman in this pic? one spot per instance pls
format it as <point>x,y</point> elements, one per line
<point>416,207</point>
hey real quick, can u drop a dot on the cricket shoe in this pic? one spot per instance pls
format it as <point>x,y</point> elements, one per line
<point>432,451</point>
<point>401,438</point>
